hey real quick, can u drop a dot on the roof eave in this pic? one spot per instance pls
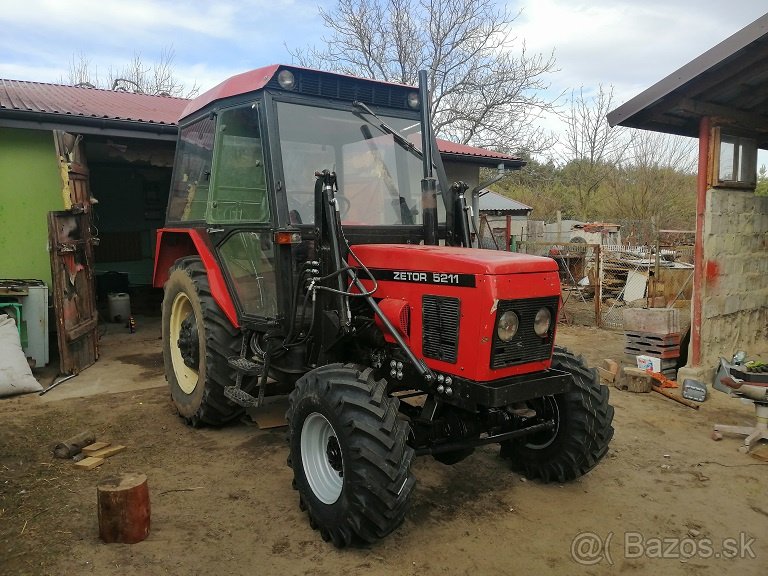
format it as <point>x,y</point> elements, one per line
<point>485,161</point>
<point>87,124</point>
<point>624,114</point>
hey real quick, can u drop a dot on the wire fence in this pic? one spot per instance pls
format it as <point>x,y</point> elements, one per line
<point>599,281</point>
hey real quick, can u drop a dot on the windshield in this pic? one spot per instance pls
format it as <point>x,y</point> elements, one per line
<point>379,179</point>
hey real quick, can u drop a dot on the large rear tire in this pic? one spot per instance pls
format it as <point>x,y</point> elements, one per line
<point>348,451</point>
<point>582,430</point>
<point>197,340</point>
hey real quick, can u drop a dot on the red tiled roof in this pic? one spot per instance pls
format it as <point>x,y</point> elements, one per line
<point>89,102</point>
<point>447,147</point>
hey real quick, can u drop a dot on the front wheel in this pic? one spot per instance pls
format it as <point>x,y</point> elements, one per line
<point>349,456</point>
<point>582,431</point>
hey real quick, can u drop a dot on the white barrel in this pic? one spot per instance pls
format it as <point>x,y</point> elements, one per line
<point>119,307</point>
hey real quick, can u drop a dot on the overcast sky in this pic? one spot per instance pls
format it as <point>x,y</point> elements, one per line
<point>629,44</point>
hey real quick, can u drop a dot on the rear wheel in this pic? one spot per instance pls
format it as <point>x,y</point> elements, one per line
<point>197,340</point>
<point>582,431</point>
<point>349,456</point>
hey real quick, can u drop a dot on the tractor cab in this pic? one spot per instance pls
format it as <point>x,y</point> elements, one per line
<point>244,176</point>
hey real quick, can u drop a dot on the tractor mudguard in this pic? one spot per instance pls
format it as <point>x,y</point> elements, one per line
<point>175,243</point>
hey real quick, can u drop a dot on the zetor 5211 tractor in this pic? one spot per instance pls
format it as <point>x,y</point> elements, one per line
<point>314,246</point>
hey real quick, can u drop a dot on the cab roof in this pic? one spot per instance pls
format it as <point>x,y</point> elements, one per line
<point>260,77</point>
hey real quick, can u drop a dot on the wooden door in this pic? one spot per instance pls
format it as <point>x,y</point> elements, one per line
<point>71,247</point>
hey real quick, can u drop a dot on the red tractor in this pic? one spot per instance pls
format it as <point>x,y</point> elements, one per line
<point>314,246</point>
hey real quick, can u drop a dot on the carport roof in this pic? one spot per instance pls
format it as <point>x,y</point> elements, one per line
<point>728,81</point>
<point>494,203</point>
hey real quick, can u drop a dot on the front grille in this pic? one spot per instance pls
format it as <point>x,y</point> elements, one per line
<point>525,346</point>
<point>440,320</point>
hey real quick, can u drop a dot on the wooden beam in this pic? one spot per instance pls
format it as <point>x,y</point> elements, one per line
<point>748,120</point>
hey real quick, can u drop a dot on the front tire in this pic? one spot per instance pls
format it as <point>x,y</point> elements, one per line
<point>348,451</point>
<point>582,430</point>
<point>197,340</point>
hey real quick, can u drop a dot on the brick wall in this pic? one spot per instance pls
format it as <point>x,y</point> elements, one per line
<point>735,295</point>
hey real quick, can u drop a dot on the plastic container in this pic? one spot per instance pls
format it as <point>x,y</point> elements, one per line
<point>119,307</point>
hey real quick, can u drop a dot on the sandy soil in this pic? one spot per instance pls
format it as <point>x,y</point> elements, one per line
<point>222,501</point>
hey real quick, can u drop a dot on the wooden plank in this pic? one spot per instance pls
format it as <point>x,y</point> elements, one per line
<point>110,451</point>
<point>95,447</point>
<point>89,463</point>
<point>81,329</point>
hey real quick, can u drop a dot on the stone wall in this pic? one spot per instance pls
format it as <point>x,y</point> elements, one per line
<point>735,293</point>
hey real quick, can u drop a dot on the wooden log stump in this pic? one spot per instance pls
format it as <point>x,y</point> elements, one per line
<point>635,380</point>
<point>123,506</point>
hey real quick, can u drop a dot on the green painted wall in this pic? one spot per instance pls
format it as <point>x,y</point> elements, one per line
<point>30,187</point>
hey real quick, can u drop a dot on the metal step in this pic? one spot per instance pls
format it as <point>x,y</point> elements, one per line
<point>240,397</point>
<point>247,367</point>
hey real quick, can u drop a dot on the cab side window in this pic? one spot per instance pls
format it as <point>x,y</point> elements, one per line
<point>239,191</point>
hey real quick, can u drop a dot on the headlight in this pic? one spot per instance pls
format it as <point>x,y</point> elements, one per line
<point>507,327</point>
<point>413,100</point>
<point>286,80</point>
<point>542,322</point>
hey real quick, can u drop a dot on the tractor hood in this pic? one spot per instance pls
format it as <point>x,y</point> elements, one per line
<point>450,259</point>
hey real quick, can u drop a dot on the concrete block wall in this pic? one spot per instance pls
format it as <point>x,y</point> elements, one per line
<point>735,293</point>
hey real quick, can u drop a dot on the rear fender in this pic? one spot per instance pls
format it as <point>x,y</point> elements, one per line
<point>175,243</point>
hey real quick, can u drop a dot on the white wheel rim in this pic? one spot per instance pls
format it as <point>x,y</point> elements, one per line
<point>325,481</point>
<point>186,377</point>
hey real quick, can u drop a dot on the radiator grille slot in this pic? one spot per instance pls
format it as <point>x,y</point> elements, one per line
<point>440,320</point>
<point>526,345</point>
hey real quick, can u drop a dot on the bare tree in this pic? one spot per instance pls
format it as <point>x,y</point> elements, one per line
<point>486,90</point>
<point>154,78</point>
<point>657,180</point>
<point>82,72</point>
<point>590,147</point>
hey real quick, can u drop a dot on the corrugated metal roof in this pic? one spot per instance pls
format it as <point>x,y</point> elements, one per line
<point>493,202</point>
<point>728,81</point>
<point>37,97</point>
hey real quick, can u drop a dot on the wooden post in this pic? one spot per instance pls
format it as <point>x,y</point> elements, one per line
<point>123,506</point>
<point>598,297</point>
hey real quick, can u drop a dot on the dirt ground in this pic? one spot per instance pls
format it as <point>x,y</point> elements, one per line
<point>222,501</point>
